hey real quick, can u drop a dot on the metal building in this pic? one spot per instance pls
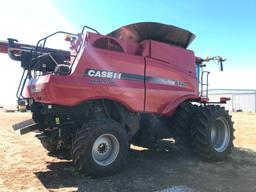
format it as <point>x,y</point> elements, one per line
<point>240,99</point>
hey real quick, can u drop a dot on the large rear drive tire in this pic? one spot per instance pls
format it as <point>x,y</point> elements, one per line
<point>212,133</point>
<point>100,148</point>
<point>182,123</point>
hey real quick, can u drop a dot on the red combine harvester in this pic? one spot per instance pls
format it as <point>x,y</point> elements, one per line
<point>137,85</point>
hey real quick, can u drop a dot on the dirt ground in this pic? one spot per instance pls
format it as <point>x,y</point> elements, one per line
<point>26,166</point>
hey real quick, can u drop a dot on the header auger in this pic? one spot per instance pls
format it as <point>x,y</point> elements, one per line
<point>137,85</point>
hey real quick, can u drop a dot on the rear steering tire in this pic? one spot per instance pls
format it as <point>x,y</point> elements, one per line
<point>100,148</point>
<point>50,142</point>
<point>49,145</point>
<point>212,133</point>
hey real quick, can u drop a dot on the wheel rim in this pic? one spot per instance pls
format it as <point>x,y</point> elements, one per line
<point>220,134</point>
<point>105,149</point>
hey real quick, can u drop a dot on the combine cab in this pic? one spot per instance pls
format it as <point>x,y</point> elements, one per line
<point>137,85</point>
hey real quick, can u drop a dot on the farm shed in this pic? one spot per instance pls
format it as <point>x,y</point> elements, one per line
<point>240,99</point>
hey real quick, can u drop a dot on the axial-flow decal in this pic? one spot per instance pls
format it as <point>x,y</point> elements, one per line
<point>127,76</point>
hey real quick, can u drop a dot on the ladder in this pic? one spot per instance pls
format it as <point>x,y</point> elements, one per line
<point>204,84</point>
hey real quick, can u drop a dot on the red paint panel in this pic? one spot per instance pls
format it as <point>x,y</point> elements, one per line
<point>164,98</point>
<point>78,87</point>
<point>3,47</point>
<point>178,58</point>
<point>72,90</point>
<point>169,64</point>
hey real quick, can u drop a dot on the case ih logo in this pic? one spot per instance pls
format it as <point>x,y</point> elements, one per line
<point>103,74</point>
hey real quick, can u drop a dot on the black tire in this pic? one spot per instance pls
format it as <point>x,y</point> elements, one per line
<point>50,143</point>
<point>82,150</point>
<point>182,123</point>
<point>147,135</point>
<point>212,133</point>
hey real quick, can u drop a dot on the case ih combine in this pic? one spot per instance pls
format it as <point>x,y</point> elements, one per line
<point>136,85</point>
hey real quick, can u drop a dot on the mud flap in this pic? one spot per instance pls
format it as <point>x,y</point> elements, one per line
<point>24,127</point>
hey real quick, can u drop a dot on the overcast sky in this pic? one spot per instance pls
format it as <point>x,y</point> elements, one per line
<point>224,28</point>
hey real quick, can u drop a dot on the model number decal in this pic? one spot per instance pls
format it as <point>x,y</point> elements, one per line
<point>103,74</point>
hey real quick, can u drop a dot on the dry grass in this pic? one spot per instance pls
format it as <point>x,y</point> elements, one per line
<point>245,126</point>
<point>25,166</point>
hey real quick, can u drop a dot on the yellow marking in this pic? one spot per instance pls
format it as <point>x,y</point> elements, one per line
<point>57,120</point>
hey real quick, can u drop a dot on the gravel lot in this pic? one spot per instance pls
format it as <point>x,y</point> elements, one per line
<point>26,166</point>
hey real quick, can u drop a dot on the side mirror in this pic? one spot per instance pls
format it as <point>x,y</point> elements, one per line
<point>220,61</point>
<point>221,65</point>
<point>216,58</point>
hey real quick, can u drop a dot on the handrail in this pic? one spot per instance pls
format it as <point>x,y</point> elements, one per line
<point>45,39</point>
